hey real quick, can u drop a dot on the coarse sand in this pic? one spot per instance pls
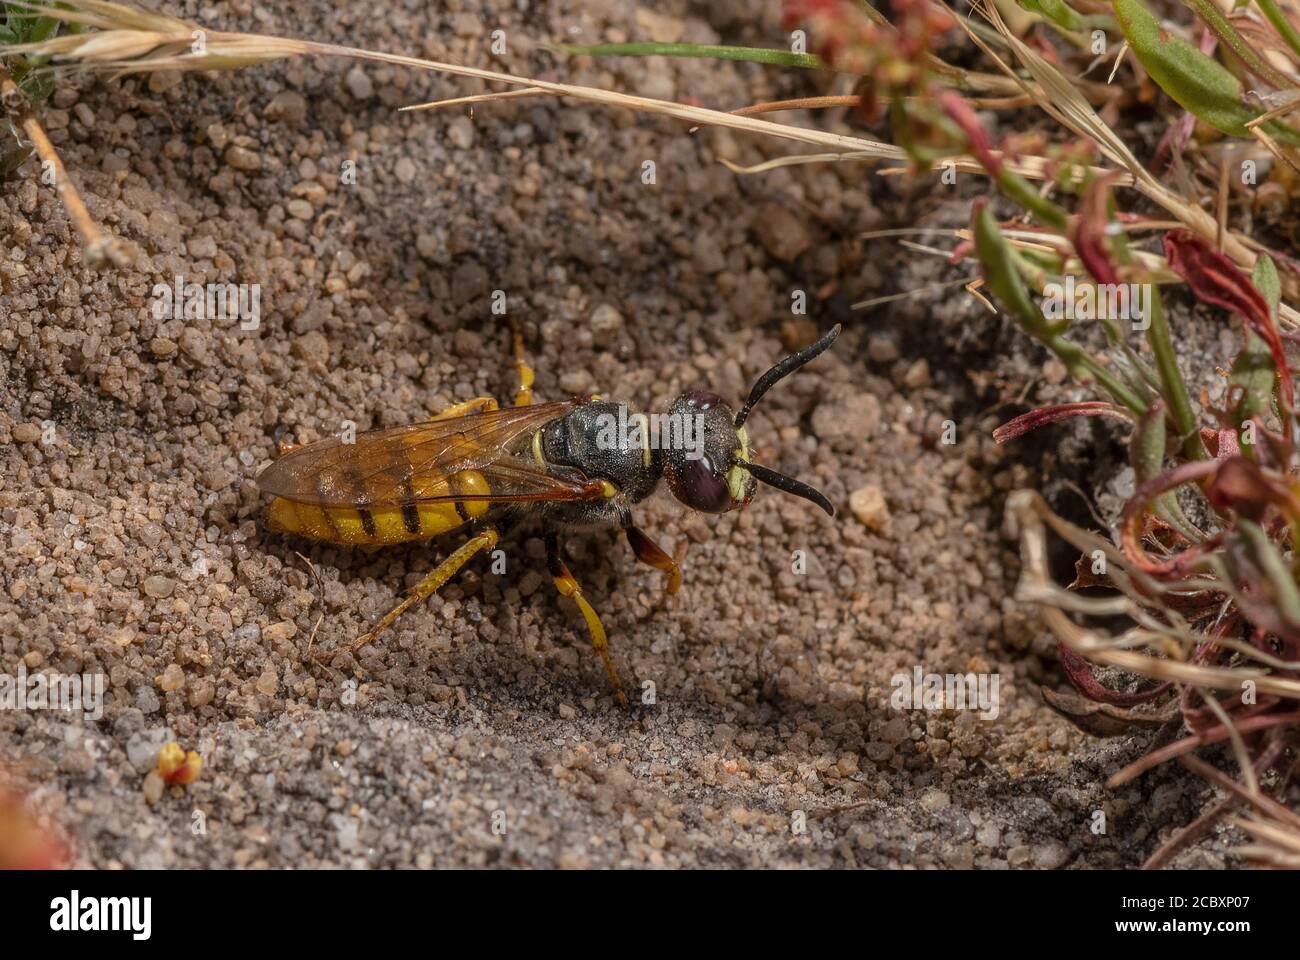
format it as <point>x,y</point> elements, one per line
<point>481,730</point>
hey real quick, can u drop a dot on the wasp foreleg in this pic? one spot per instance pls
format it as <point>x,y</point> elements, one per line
<point>569,587</point>
<point>649,552</point>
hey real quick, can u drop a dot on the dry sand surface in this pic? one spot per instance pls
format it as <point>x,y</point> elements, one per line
<point>131,535</point>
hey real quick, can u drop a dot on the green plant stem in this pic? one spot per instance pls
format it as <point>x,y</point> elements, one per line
<point>1175,388</point>
<point>1024,193</point>
<point>1073,355</point>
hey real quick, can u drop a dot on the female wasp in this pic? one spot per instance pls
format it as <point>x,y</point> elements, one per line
<point>475,464</point>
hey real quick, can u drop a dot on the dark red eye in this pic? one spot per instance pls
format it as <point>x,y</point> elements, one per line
<point>701,487</point>
<point>703,399</point>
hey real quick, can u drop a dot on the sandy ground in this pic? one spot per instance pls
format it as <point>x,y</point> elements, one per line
<point>481,730</point>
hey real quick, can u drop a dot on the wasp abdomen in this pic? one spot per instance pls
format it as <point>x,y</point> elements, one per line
<point>383,525</point>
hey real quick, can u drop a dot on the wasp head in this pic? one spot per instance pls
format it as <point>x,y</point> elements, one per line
<point>713,471</point>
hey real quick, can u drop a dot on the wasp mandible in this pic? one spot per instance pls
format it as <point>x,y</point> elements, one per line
<point>476,463</point>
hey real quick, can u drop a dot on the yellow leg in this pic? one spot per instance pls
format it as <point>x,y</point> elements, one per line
<point>524,395</point>
<point>567,585</point>
<point>485,540</point>
<point>466,407</point>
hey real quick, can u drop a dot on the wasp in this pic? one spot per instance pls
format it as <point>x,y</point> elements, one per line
<point>476,466</point>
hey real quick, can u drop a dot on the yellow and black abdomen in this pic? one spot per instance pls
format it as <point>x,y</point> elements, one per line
<point>383,525</point>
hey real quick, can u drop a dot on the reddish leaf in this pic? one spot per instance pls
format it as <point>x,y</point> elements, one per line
<point>960,112</point>
<point>1215,279</point>
<point>1079,671</point>
<point>1088,232</point>
<point>1034,419</point>
<point>1240,486</point>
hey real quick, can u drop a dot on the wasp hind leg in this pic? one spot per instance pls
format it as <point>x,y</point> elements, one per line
<point>569,587</point>
<point>649,552</point>
<point>486,539</point>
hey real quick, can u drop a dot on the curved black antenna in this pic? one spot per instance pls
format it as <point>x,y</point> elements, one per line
<point>789,484</point>
<point>783,369</point>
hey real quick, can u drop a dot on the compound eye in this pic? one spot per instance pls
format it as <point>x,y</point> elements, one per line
<point>702,486</point>
<point>703,399</point>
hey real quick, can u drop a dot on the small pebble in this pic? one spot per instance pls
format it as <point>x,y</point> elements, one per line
<point>241,158</point>
<point>868,505</point>
<point>461,133</point>
<point>153,787</point>
<point>359,84</point>
<point>159,587</point>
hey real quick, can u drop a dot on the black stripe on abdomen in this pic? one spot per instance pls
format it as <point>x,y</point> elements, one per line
<point>411,517</point>
<point>453,484</point>
<point>367,521</point>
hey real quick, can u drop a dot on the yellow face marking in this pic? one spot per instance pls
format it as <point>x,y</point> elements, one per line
<point>537,448</point>
<point>737,475</point>
<point>607,489</point>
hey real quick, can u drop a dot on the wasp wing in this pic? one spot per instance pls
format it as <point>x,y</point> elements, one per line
<point>411,464</point>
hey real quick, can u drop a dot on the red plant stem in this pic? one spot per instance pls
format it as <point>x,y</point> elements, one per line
<point>1188,744</point>
<point>1130,538</point>
<point>1260,801</point>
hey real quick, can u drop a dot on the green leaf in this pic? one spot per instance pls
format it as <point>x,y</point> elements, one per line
<point>1056,11</point>
<point>1254,375</point>
<point>1198,83</point>
<point>998,261</point>
<point>1274,590</point>
<point>1027,195</point>
<point>1266,281</point>
<point>28,27</point>
<point>1172,386</point>
<point>1147,446</point>
<point>1147,455</point>
<point>1229,36</point>
<point>781,58</point>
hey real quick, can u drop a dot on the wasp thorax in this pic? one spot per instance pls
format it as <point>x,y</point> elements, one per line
<point>703,474</point>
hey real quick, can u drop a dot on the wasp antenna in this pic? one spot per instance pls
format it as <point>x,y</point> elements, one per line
<point>789,484</point>
<point>783,369</point>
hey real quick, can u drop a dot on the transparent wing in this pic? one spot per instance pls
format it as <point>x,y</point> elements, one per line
<point>412,464</point>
